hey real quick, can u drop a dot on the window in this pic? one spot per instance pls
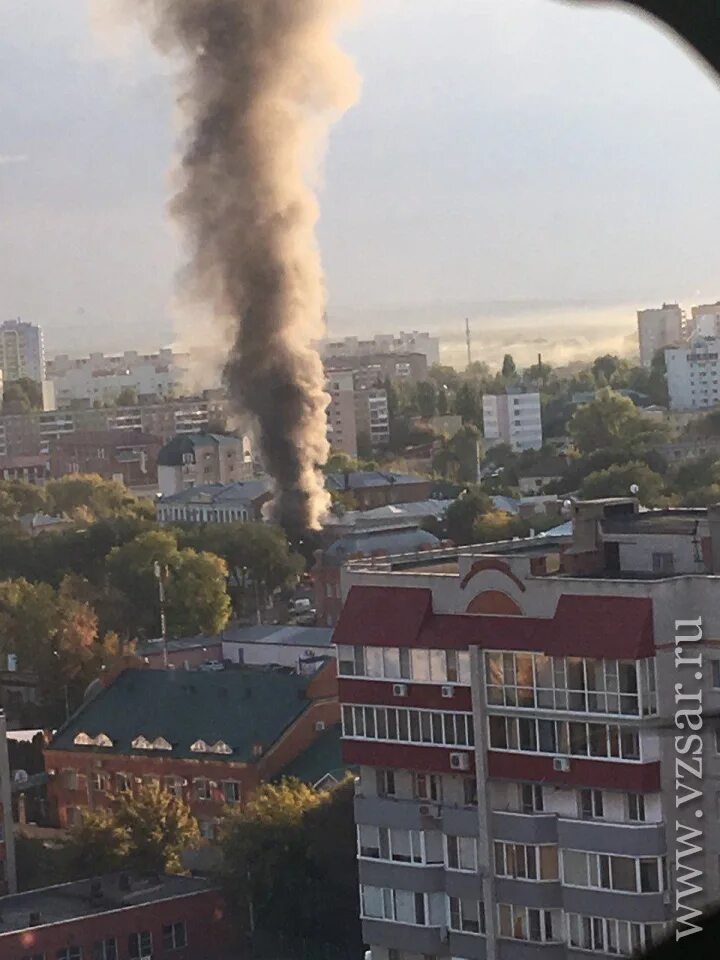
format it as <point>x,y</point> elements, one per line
<point>523,861</point>
<point>590,804</point>
<point>122,783</point>
<point>465,915</point>
<point>201,788</point>
<point>33,956</point>
<point>461,853</point>
<point>531,798</point>
<point>407,725</point>
<point>663,563</point>
<point>231,791</point>
<point>526,923</point>
<point>636,807</point>
<point>604,935</point>
<point>715,667</point>
<point>387,903</point>
<point>70,779</point>
<point>69,953</point>
<point>101,781</point>
<point>470,792</point>
<point>173,786</point>
<point>150,780</point>
<point>351,661</point>
<point>140,945</point>
<point>578,739</point>
<point>174,936</point>
<point>106,949</point>
<point>605,872</point>
<point>385,783</point>
<point>427,786</point>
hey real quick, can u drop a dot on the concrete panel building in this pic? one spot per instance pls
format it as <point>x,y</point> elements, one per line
<point>513,418</point>
<point>506,707</point>
<point>657,328</point>
<point>22,351</point>
<point>693,373</point>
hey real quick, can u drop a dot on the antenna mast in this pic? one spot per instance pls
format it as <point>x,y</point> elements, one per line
<point>467,340</point>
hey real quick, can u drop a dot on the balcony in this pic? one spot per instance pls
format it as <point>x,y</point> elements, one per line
<point>407,937</point>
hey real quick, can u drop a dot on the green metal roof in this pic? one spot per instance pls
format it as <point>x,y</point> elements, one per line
<point>322,757</point>
<point>240,707</point>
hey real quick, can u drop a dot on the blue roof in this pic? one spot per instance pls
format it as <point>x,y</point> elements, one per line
<point>404,540</point>
<point>242,491</point>
<point>360,479</point>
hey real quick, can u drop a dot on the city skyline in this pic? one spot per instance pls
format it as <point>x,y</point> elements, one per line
<point>466,227</point>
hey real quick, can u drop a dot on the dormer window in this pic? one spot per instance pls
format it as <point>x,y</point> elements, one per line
<point>160,743</point>
<point>221,747</point>
<point>141,743</point>
<point>199,747</point>
<point>103,740</point>
<point>83,740</point>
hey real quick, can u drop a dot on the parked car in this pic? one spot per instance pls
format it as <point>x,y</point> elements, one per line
<point>212,666</point>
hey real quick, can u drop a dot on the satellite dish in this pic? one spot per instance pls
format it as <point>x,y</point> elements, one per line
<point>634,489</point>
<point>20,776</point>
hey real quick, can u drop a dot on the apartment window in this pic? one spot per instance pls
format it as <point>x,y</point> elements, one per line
<point>466,915</point>
<point>399,906</point>
<point>201,788</point>
<point>461,853</point>
<point>598,740</point>
<point>385,783</point>
<point>151,780</point>
<point>351,661</point>
<point>717,739</point>
<point>590,804</point>
<point>525,861</point>
<point>636,807</point>
<point>231,791</point>
<point>69,953</point>
<point>531,798</point>
<point>663,563</point>
<point>605,935</point>
<point>122,783</point>
<point>140,945</point>
<point>470,792</point>
<point>174,936</point>
<point>715,668</point>
<point>106,949</point>
<point>403,725</point>
<point>173,786</point>
<point>101,781</point>
<point>605,872</point>
<point>70,779</point>
<point>427,786</point>
<point>526,923</point>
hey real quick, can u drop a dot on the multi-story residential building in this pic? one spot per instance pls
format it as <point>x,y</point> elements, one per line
<point>692,373</point>
<point>128,456</point>
<point>507,706</point>
<point>657,328</point>
<point>373,370</point>
<point>513,418</point>
<point>383,343</point>
<point>101,379</point>
<point>704,320</point>
<point>209,738</point>
<point>190,460</point>
<point>8,873</point>
<point>240,502</point>
<point>355,411</point>
<point>22,351</point>
<point>117,916</point>
<point>29,469</point>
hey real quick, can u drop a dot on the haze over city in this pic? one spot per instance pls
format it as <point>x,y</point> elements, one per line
<point>504,162</point>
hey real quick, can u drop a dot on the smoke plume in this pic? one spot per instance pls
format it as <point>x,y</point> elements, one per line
<point>262,82</point>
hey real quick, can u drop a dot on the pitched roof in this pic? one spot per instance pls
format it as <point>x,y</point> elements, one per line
<point>403,539</point>
<point>240,707</point>
<point>360,479</point>
<point>172,452</point>
<point>322,757</point>
<point>243,491</point>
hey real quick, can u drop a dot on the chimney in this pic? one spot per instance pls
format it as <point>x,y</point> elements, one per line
<point>713,516</point>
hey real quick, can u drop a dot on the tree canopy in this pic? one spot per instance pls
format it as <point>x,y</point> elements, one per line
<point>612,422</point>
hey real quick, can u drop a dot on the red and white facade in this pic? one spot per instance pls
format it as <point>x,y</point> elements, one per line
<point>505,712</point>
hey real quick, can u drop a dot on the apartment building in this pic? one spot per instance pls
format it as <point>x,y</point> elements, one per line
<point>704,320</point>
<point>207,737</point>
<point>101,379</point>
<point>383,343</point>
<point>692,373</point>
<point>128,456</point>
<point>506,705</point>
<point>189,460</point>
<point>657,328</point>
<point>513,418</point>
<point>355,413</point>
<point>239,502</point>
<point>22,351</point>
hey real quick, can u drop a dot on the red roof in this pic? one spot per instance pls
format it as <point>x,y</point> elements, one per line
<point>592,626</point>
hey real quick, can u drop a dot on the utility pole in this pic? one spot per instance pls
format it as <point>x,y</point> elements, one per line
<point>163,622</point>
<point>467,340</point>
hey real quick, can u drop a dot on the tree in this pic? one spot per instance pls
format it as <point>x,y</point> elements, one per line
<point>22,396</point>
<point>147,831</point>
<point>604,369</point>
<point>509,370</point>
<point>290,853</point>
<point>18,498</point>
<point>340,462</point>
<point>127,397</point>
<point>613,422</point>
<point>466,447</point>
<point>89,497</point>
<point>617,480</point>
<point>426,399</point>
<point>468,403</point>
<point>463,513</point>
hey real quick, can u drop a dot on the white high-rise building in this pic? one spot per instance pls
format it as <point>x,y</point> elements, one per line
<point>22,351</point>
<point>692,374</point>
<point>513,418</point>
<point>705,320</point>
<point>658,328</point>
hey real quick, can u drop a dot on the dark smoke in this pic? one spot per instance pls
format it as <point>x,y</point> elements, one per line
<point>263,81</point>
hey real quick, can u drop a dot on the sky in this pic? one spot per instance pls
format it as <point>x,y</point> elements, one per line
<point>539,166</point>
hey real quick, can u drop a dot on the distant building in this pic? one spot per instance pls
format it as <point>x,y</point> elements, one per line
<point>100,378</point>
<point>8,875</point>
<point>355,411</point>
<point>29,469</point>
<point>692,374</point>
<point>514,419</point>
<point>539,476</point>
<point>415,342</point>
<point>128,456</point>
<point>373,370</point>
<point>100,919</point>
<point>209,738</point>
<point>705,320</point>
<point>240,502</point>
<point>22,351</point>
<point>377,488</point>
<point>190,460</point>
<point>658,328</point>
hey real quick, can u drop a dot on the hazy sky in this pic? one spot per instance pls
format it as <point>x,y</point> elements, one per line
<point>503,150</point>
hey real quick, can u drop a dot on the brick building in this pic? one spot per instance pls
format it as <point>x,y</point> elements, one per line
<point>506,708</point>
<point>377,488</point>
<point>210,738</point>
<point>129,456</point>
<point>117,917</point>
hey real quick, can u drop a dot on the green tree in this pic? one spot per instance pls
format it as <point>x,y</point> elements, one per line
<point>291,853</point>
<point>18,498</point>
<point>426,394</point>
<point>613,422</point>
<point>127,397</point>
<point>509,370</point>
<point>340,462</point>
<point>22,396</point>
<point>464,512</point>
<point>89,497</point>
<point>617,480</point>
<point>604,369</point>
<point>468,403</point>
<point>147,831</point>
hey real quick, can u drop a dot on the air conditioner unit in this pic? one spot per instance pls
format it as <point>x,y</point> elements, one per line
<point>400,690</point>
<point>459,761</point>
<point>561,764</point>
<point>319,726</point>
<point>447,692</point>
<point>430,810</point>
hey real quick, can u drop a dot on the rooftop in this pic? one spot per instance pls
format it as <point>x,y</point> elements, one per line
<point>362,479</point>
<point>321,759</point>
<point>171,454</point>
<point>72,901</point>
<point>390,540</point>
<point>175,711</point>
<point>243,491</point>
